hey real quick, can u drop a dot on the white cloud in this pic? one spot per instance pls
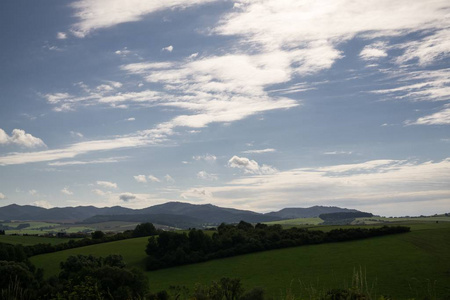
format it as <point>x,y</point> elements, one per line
<point>32,192</point>
<point>259,151</point>
<point>107,184</point>
<point>193,55</point>
<point>168,48</point>
<point>207,176</point>
<point>169,179</point>
<point>123,52</point>
<point>61,35</point>
<point>430,85</point>
<point>338,152</point>
<point>76,134</point>
<point>205,157</point>
<point>197,193</point>
<point>2,196</point>
<point>387,186</point>
<point>153,178</point>
<point>127,197</point>
<point>98,14</point>
<point>100,192</point>
<point>217,89</point>
<point>87,162</point>
<point>139,139</point>
<point>66,191</point>
<point>431,48</point>
<point>374,51</point>
<point>21,138</point>
<point>140,178</point>
<point>131,119</point>
<point>440,118</point>
<point>250,166</point>
<point>314,29</point>
<point>42,203</point>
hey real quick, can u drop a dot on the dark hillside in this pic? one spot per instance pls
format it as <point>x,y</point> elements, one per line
<point>310,212</point>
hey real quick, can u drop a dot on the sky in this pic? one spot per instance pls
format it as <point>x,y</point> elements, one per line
<point>257,105</point>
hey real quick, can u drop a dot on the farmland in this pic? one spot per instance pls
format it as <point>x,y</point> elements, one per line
<point>31,240</point>
<point>415,264</point>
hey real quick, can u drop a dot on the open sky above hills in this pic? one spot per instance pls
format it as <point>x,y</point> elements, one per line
<point>257,105</point>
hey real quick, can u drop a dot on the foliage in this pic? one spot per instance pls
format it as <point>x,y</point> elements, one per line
<point>12,252</point>
<point>172,249</point>
<point>144,229</point>
<point>343,217</point>
<point>97,238</point>
<point>97,235</point>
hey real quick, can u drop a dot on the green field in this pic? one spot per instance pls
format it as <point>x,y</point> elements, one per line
<point>132,250</point>
<point>31,240</point>
<point>297,222</point>
<point>42,228</point>
<point>415,264</point>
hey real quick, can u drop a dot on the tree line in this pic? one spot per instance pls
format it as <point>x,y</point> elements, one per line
<point>97,237</point>
<point>172,249</point>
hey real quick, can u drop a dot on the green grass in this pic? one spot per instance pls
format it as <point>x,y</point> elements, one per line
<point>31,240</point>
<point>415,264</point>
<point>296,222</point>
<point>132,250</point>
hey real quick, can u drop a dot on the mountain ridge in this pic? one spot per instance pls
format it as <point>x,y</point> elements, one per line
<point>196,214</point>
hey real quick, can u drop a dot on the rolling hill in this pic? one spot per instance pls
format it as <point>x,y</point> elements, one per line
<point>176,214</point>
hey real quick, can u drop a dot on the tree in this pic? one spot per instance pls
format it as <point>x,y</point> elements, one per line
<point>144,229</point>
<point>97,235</point>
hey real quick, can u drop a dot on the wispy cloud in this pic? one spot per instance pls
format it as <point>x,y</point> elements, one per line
<point>205,157</point>
<point>378,184</point>
<point>66,191</point>
<point>440,118</point>
<point>140,178</point>
<point>430,85</point>
<point>88,162</point>
<point>61,35</point>
<point>374,51</point>
<point>259,151</point>
<point>153,178</point>
<point>207,176</point>
<point>107,184</point>
<point>168,48</point>
<point>98,14</point>
<point>143,138</point>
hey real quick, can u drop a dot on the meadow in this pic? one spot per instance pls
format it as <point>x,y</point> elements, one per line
<point>31,240</point>
<point>41,228</point>
<point>411,265</point>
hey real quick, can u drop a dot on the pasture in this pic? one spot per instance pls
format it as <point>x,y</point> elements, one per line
<point>31,240</point>
<point>411,265</point>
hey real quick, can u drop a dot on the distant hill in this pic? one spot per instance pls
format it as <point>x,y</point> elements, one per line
<point>209,213</point>
<point>178,221</point>
<point>60,214</point>
<point>176,214</point>
<point>310,212</point>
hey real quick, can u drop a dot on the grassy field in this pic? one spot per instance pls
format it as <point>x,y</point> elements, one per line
<point>31,240</point>
<point>132,250</point>
<point>297,222</point>
<point>415,264</point>
<point>44,227</point>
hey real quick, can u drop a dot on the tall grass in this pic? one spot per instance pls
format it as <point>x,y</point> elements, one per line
<point>14,291</point>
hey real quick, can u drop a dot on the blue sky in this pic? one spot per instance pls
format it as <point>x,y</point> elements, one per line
<point>257,105</point>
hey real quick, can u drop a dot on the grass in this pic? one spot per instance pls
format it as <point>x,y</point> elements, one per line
<point>31,240</point>
<point>412,265</point>
<point>296,222</point>
<point>132,250</point>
